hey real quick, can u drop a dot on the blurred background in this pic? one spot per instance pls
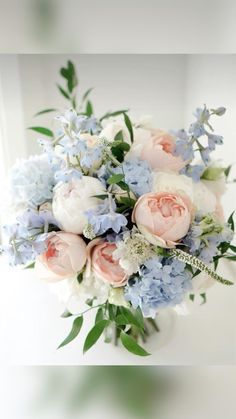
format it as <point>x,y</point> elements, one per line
<point>118,392</point>
<point>169,87</point>
<point>111,26</point>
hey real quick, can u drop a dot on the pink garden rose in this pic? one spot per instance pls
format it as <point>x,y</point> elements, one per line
<point>65,256</point>
<point>159,152</point>
<point>103,264</point>
<point>163,218</point>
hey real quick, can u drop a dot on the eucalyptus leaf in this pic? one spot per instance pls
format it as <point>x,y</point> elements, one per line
<point>111,114</point>
<point>131,318</point>
<point>63,92</point>
<point>42,130</point>
<point>95,334</point>
<point>131,345</point>
<point>129,126</point>
<point>99,315</point>
<point>76,327</point>
<point>87,93</point>
<point>46,111</point>
<point>114,179</point>
<point>89,108</point>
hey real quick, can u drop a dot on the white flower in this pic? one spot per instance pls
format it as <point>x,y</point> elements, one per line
<point>217,187</point>
<point>72,199</point>
<point>171,182</point>
<point>116,297</point>
<point>132,251</point>
<point>204,199</point>
<point>141,137</point>
<point>112,127</point>
<point>93,287</point>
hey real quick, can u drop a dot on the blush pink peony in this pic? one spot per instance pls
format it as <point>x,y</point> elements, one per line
<point>65,256</point>
<point>163,218</point>
<point>103,265</point>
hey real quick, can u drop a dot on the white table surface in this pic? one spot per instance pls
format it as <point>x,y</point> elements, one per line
<point>31,329</point>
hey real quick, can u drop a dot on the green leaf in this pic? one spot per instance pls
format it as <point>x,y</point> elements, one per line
<point>114,179</point>
<point>192,297</point>
<point>129,202</point>
<point>116,113</point>
<point>131,317</point>
<point>99,315</point>
<point>121,320</point>
<point>80,277</point>
<point>212,173</point>
<point>227,170</point>
<point>112,310</point>
<point>122,145</point>
<point>86,94</point>
<point>231,221</point>
<point>30,265</point>
<point>46,111</point>
<point>233,248</point>
<point>89,108</point>
<point>63,92</point>
<point>42,130</point>
<point>77,324</point>
<point>100,196</point>
<point>204,298</point>
<point>129,126</point>
<point>95,334</point>
<point>66,314</point>
<point>123,186</point>
<point>119,136</point>
<point>131,345</point>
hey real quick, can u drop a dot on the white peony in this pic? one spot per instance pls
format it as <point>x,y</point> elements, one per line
<point>171,182</point>
<point>112,128</point>
<point>72,199</point>
<point>204,200</point>
<point>116,297</point>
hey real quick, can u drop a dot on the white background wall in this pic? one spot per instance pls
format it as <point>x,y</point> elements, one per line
<point>169,87</point>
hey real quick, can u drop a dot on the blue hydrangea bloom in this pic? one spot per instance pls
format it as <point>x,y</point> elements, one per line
<point>162,283</point>
<point>32,180</point>
<point>138,175</point>
<point>104,217</point>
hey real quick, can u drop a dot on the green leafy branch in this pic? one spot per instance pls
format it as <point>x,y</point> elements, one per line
<point>128,326</point>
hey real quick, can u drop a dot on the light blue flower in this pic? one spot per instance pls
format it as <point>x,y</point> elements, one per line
<point>138,175</point>
<point>65,175</point>
<point>26,238</point>
<point>32,180</point>
<point>104,217</point>
<point>214,140</point>
<point>184,148</point>
<point>72,147</point>
<point>205,155</point>
<point>204,237</point>
<point>161,283</point>
<point>87,124</point>
<point>193,171</point>
<point>91,156</point>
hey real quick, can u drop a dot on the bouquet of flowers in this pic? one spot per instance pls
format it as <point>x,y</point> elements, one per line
<point>126,215</point>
